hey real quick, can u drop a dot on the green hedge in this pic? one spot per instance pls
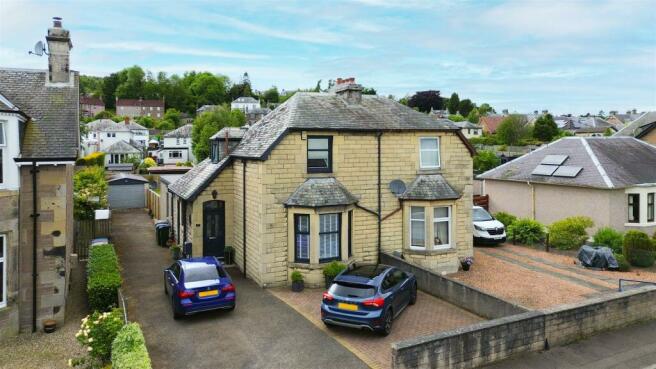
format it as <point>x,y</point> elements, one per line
<point>639,249</point>
<point>505,218</point>
<point>527,231</point>
<point>569,233</point>
<point>609,237</point>
<point>103,278</point>
<point>129,349</point>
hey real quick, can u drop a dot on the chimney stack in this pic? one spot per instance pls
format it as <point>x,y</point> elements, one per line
<point>350,91</point>
<point>59,47</point>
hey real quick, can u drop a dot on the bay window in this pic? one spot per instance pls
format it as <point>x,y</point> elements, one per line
<point>426,234</point>
<point>417,227</point>
<point>634,208</point>
<point>442,227</point>
<point>329,237</point>
<point>429,152</point>
<point>302,238</point>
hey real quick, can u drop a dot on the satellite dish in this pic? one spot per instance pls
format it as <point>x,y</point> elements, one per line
<point>397,187</point>
<point>39,49</point>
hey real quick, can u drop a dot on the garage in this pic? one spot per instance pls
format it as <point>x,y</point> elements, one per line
<point>126,191</point>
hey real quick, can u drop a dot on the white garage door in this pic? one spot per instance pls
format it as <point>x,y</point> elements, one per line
<point>126,196</point>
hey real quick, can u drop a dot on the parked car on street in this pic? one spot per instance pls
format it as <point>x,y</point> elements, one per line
<point>486,228</point>
<point>368,297</point>
<point>199,284</point>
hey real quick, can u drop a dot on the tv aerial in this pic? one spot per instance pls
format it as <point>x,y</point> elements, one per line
<point>39,49</point>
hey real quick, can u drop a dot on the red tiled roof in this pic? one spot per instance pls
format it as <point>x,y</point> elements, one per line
<point>491,123</point>
<point>90,100</point>
<point>138,102</point>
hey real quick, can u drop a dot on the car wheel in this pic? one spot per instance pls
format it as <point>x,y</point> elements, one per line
<point>413,295</point>
<point>387,323</point>
<point>176,314</point>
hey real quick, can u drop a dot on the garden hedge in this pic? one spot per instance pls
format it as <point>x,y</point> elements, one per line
<point>569,233</point>
<point>526,231</point>
<point>103,278</point>
<point>609,237</point>
<point>639,249</point>
<point>129,349</point>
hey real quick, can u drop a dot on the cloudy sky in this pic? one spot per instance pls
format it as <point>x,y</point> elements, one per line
<point>565,56</point>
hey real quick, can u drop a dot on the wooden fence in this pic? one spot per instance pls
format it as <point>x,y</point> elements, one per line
<point>152,203</point>
<point>482,201</point>
<point>87,230</point>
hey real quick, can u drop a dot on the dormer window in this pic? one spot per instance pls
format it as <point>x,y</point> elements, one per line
<point>214,151</point>
<point>319,154</point>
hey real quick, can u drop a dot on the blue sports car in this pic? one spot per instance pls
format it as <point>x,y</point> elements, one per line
<point>368,296</point>
<point>198,284</point>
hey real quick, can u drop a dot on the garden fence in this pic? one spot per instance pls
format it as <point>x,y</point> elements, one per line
<point>152,203</point>
<point>85,231</point>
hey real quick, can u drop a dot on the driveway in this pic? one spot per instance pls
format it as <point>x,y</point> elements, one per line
<point>262,332</point>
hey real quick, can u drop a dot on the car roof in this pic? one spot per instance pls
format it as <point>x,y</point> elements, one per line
<point>198,261</point>
<point>364,274</point>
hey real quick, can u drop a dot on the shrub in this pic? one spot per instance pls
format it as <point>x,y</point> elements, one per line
<point>527,231</point>
<point>297,276</point>
<point>129,349</point>
<point>505,218</point>
<point>97,332</point>
<point>486,160</point>
<point>639,249</point>
<point>622,264</point>
<point>89,192</point>
<point>103,278</point>
<point>609,237</point>
<point>149,162</point>
<point>333,269</point>
<point>569,233</point>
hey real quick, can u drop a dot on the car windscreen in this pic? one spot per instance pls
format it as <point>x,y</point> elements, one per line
<point>351,290</point>
<point>197,273</point>
<point>481,215</point>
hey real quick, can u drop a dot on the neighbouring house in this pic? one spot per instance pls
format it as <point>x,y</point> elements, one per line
<point>594,131</point>
<point>176,147</point>
<point>115,139</point>
<point>620,120</point>
<point>90,106</point>
<point>609,179</point>
<point>470,129</point>
<point>39,143</point>
<point>226,140</point>
<point>490,123</point>
<point>251,108</point>
<point>331,176</point>
<point>205,108</point>
<point>441,114</point>
<point>140,108</point>
<point>643,128</point>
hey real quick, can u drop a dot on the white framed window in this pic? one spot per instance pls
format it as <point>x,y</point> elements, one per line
<point>3,270</point>
<point>442,227</point>
<point>3,141</point>
<point>417,227</point>
<point>329,237</point>
<point>177,140</point>
<point>175,154</point>
<point>634,208</point>
<point>302,238</point>
<point>429,152</point>
<point>650,207</point>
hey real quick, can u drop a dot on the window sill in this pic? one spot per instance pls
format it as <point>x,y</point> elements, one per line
<point>648,224</point>
<point>315,266</point>
<point>409,251</point>
<point>437,170</point>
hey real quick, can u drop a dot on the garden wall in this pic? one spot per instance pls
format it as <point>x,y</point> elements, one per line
<point>494,340</point>
<point>457,293</point>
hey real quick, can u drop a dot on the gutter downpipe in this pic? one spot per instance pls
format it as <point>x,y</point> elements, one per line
<point>380,207</point>
<point>532,199</point>
<point>34,217</point>
<point>243,227</point>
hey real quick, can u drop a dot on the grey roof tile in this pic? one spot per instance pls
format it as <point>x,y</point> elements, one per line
<point>122,147</point>
<point>52,131</point>
<point>191,183</point>
<point>184,131</point>
<point>233,133</point>
<point>635,127</point>
<point>430,187</point>
<point>108,125</point>
<point>318,192</point>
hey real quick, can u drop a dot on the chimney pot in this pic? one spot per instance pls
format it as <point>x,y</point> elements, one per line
<point>57,22</point>
<point>350,91</point>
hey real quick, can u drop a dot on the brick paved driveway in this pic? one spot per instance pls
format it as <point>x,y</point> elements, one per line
<point>429,315</point>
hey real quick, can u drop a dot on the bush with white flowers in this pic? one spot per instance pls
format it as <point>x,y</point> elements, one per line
<point>97,332</point>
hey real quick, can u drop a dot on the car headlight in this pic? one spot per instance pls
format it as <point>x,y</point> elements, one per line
<point>478,228</point>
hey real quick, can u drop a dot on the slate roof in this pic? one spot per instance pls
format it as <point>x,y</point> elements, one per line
<point>53,131</point>
<point>607,162</point>
<point>108,125</point>
<point>467,125</point>
<point>183,131</point>
<point>233,133</point>
<point>90,100</point>
<point>139,102</point>
<point>636,127</point>
<point>122,177</point>
<point>192,182</point>
<point>328,111</point>
<point>429,187</point>
<point>246,99</point>
<point>122,147</point>
<point>318,192</point>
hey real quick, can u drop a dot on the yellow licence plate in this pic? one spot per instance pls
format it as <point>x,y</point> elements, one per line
<point>208,293</point>
<point>350,307</point>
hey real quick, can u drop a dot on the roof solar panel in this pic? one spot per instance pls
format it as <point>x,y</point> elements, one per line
<point>544,170</point>
<point>567,171</point>
<point>554,159</point>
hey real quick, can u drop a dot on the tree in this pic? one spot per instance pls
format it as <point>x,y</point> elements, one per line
<point>474,116</point>
<point>104,115</point>
<point>545,129</point>
<point>165,125</point>
<point>454,103</point>
<point>424,101</point>
<point>132,83</point>
<point>109,85</point>
<point>456,118</point>
<point>209,123</point>
<point>369,91</point>
<point>317,88</point>
<point>485,109</point>
<point>91,86</point>
<point>146,121</point>
<point>174,116</point>
<point>608,132</point>
<point>208,89</point>
<point>486,160</point>
<point>512,129</point>
<point>465,107</point>
<point>271,95</point>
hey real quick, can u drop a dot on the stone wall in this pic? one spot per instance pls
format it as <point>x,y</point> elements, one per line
<point>494,340</point>
<point>9,229</point>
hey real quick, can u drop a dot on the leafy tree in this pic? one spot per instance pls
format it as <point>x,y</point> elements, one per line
<point>165,125</point>
<point>174,116</point>
<point>456,118</point>
<point>465,107</point>
<point>147,121</point>
<point>109,85</point>
<point>208,89</point>
<point>485,109</point>
<point>608,132</point>
<point>91,86</point>
<point>512,129</point>
<point>545,128</point>
<point>486,160</point>
<point>271,95</point>
<point>209,123</point>
<point>132,83</point>
<point>104,115</point>
<point>474,116</point>
<point>368,91</point>
<point>317,88</point>
<point>404,101</point>
<point>425,100</point>
<point>454,103</point>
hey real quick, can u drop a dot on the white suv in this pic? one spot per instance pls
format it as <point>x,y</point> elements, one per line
<point>486,228</point>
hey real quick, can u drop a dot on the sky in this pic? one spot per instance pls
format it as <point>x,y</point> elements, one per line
<point>564,56</point>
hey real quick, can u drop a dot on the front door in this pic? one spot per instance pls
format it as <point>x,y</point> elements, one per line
<point>213,228</point>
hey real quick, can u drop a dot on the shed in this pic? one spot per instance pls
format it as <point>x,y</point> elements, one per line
<point>126,191</point>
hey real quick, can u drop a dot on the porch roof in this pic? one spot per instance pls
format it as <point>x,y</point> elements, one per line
<point>318,192</point>
<point>430,187</point>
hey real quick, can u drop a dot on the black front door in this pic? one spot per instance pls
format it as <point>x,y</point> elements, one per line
<point>213,228</point>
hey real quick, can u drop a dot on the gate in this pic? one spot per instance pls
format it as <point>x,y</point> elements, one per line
<point>85,231</point>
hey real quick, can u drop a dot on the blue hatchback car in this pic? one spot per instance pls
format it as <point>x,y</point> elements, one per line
<point>198,284</point>
<point>368,296</point>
